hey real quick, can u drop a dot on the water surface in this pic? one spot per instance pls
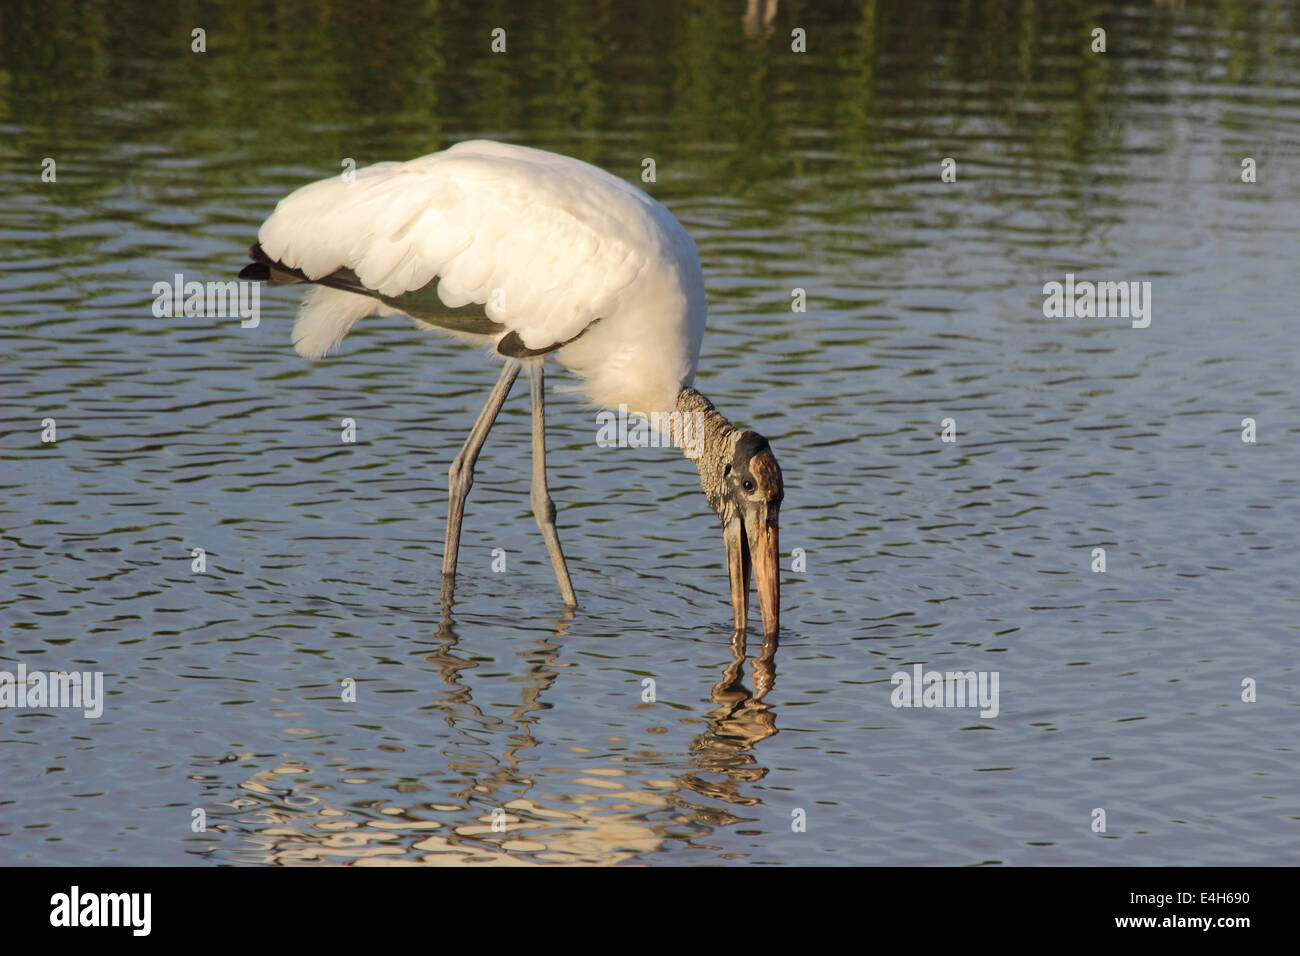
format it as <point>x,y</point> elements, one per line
<point>818,171</point>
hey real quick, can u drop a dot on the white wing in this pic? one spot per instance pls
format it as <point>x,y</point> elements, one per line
<point>546,243</point>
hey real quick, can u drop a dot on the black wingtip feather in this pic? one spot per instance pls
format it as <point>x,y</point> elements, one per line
<point>266,269</point>
<point>260,269</point>
<point>512,346</point>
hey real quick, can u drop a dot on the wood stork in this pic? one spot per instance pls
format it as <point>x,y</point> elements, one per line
<point>531,252</point>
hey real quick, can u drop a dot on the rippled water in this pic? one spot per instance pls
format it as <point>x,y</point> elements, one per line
<point>1120,691</point>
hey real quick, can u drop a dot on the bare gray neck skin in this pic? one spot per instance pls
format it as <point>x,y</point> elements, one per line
<point>717,443</point>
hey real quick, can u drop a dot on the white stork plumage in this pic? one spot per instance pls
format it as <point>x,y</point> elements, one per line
<point>531,252</point>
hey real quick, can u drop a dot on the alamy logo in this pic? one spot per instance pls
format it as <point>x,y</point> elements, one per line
<point>103,909</point>
<point>624,429</point>
<point>42,690</point>
<point>923,688</point>
<point>215,300</point>
<point>1098,300</point>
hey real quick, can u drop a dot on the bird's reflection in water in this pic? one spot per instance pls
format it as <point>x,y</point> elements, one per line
<point>757,18</point>
<point>738,721</point>
<point>612,810</point>
<point>486,775</point>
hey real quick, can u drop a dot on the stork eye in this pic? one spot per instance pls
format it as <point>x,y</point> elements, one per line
<point>748,484</point>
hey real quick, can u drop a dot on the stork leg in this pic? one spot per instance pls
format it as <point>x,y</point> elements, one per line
<point>543,506</point>
<point>461,474</point>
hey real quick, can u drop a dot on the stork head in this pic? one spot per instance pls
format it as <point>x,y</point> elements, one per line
<point>750,508</point>
<point>742,481</point>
